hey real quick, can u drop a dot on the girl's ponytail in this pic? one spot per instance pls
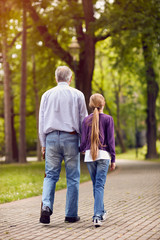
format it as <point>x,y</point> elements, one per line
<point>95,134</point>
<point>96,102</point>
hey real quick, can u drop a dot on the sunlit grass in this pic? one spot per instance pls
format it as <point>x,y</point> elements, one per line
<point>131,154</point>
<point>18,181</point>
<point>137,154</point>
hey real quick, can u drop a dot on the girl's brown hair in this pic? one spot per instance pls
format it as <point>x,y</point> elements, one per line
<point>96,102</point>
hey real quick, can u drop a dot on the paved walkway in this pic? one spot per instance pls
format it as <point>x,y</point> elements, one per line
<point>132,198</point>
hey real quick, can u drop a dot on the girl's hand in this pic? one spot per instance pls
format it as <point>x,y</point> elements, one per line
<point>113,166</point>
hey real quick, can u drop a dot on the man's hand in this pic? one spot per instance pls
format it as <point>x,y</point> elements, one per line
<point>113,166</point>
<point>43,150</point>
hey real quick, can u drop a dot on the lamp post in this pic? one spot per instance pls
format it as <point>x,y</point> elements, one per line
<point>74,50</point>
<point>136,127</point>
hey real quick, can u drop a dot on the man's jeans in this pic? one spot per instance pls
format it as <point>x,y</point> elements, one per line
<point>59,146</point>
<point>98,172</point>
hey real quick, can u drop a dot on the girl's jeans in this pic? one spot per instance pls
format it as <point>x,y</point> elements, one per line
<point>98,172</point>
<point>62,145</point>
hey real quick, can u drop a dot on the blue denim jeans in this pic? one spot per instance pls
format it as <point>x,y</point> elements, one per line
<point>59,146</point>
<point>98,172</point>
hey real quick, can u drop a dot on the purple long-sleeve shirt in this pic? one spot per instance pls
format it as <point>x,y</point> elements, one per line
<point>106,136</point>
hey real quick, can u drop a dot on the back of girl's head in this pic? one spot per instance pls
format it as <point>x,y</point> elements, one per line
<point>96,102</point>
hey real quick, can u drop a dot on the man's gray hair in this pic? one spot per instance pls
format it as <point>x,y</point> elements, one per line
<point>63,74</point>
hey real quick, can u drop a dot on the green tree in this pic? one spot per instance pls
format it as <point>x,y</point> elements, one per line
<point>70,18</point>
<point>138,28</point>
<point>7,86</point>
<point>44,70</point>
<point>22,131</point>
<point>119,84</point>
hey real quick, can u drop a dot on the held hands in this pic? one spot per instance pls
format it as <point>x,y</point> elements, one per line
<point>43,150</point>
<point>113,166</point>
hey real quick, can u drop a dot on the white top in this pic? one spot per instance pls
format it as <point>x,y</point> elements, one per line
<point>62,108</point>
<point>101,155</point>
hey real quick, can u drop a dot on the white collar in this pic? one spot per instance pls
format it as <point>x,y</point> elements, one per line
<point>63,83</point>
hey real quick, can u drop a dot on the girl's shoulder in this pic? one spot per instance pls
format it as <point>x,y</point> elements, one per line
<point>106,116</point>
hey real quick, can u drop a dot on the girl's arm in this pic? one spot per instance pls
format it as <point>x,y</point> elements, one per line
<point>111,139</point>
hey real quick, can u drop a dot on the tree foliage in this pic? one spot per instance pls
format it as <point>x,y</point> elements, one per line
<point>137,30</point>
<point>112,38</point>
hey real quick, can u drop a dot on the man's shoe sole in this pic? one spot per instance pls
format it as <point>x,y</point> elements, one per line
<point>72,219</point>
<point>45,217</point>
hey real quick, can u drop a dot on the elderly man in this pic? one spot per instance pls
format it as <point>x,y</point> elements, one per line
<point>62,110</point>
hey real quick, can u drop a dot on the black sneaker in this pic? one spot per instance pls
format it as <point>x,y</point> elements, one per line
<point>72,219</point>
<point>45,215</point>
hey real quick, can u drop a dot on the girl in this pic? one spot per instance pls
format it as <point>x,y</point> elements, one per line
<point>98,144</point>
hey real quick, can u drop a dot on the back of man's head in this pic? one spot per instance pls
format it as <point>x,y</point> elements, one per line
<point>63,74</point>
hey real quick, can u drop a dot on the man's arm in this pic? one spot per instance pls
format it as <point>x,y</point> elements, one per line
<point>82,110</point>
<point>42,135</point>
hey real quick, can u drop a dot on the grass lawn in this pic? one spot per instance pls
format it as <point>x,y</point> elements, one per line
<point>131,155</point>
<point>18,181</point>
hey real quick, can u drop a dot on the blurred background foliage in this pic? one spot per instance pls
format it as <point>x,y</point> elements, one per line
<point>118,55</point>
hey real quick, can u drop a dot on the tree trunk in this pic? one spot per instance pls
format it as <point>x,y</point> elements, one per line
<point>22,135</point>
<point>85,68</point>
<point>7,107</point>
<point>152,93</point>
<point>37,106</point>
<point>14,139</point>
<point>118,127</point>
<point>83,77</point>
<point>7,92</point>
